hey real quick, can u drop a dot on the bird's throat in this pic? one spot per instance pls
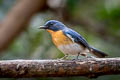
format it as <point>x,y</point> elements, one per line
<point>50,31</point>
<point>59,38</point>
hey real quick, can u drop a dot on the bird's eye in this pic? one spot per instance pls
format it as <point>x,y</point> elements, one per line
<point>51,23</point>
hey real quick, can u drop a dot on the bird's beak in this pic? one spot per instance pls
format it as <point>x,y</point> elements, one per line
<point>43,27</point>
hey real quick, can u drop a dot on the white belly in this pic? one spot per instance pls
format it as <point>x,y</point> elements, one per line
<point>72,49</point>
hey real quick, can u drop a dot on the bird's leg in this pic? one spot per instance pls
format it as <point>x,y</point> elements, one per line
<point>66,55</point>
<point>88,57</point>
<point>78,56</point>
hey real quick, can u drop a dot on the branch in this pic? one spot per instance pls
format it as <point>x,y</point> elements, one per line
<point>59,68</point>
<point>17,19</point>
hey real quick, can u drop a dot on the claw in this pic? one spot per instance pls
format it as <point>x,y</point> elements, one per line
<point>77,56</point>
<point>63,58</point>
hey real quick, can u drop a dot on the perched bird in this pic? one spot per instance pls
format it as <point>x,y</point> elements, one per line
<point>68,41</point>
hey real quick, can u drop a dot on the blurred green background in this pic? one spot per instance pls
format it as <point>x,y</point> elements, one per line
<point>98,21</point>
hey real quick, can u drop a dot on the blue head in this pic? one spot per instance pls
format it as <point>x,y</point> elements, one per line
<point>53,25</point>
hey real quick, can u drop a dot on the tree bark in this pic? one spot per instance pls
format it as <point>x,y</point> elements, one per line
<point>91,68</point>
<point>17,19</point>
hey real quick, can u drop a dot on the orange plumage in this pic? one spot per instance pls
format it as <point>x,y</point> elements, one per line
<point>68,41</point>
<point>59,38</point>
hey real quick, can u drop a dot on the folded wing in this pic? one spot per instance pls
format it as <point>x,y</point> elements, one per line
<point>74,36</point>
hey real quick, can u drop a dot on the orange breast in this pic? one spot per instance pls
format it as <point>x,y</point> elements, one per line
<point>59,38</point>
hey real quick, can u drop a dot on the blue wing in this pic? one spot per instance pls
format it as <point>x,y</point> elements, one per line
<point>74,36</point>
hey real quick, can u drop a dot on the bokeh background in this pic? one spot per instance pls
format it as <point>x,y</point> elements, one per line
<point>98,21</point>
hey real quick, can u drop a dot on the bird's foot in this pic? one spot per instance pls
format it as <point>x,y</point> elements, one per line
<point>77,58</point>
<point>64,58</point>
<point>91,57</point>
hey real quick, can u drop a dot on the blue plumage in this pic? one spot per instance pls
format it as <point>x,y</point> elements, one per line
<point>78,45</point>
<point>77,37</point>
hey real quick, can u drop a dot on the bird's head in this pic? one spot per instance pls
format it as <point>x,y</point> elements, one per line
<point>53,25</point>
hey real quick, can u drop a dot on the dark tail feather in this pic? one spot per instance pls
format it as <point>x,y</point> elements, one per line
<point>98,53</point>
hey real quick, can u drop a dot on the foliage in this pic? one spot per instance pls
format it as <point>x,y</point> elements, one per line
<point>99,24</point>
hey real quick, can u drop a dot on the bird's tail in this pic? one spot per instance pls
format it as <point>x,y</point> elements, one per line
<point>98,53</point>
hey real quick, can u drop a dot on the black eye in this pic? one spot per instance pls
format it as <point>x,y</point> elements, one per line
<point>51,23</point>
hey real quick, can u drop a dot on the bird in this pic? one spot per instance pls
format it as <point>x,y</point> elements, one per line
<point>69,41</point>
